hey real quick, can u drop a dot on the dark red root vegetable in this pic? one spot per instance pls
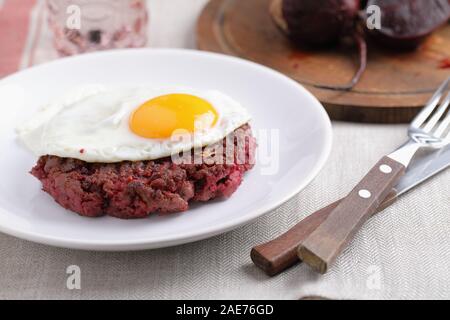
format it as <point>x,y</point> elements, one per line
<point>322,23</point>
<point>405,24</point>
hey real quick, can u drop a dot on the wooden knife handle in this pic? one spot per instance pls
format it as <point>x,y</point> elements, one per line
<point>321,248</point>
<point>281,253</point>
<point>278,254</point>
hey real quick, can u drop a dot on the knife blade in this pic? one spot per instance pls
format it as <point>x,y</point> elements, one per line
<point>424,167</point>
<point>280,253</point>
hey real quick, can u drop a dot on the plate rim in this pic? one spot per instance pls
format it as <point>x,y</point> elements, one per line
<point>197,234</point>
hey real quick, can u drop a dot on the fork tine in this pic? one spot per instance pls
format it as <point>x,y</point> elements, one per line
<point>437,116</point>
<point>445,124</point>
<point>430,106</point>
<point>447,138</point>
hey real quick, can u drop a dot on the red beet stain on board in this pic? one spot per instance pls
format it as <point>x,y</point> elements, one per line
<point>81,151</point>
<point>296,56</point>
<point>445,63</point>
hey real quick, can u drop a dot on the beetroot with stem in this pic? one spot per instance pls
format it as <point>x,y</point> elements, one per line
<point>321,23</point>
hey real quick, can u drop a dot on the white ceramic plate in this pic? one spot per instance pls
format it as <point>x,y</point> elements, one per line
<point>275,101</point>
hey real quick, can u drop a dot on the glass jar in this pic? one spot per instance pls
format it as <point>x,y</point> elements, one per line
<point>80,26</point>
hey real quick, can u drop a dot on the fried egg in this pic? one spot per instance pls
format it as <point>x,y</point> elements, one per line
<point>111,124</point>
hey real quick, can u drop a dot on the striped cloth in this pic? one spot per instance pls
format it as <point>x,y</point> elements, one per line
<point>22,25</point>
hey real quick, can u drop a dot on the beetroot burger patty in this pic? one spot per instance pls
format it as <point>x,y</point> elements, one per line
<point>137,189</point>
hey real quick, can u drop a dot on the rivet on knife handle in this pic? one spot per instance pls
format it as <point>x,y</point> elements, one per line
<point>320,248</point>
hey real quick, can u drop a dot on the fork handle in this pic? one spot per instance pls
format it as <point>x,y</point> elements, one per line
<point>321,248</point>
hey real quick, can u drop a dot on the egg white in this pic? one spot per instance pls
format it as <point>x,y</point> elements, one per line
<point>91,123</point>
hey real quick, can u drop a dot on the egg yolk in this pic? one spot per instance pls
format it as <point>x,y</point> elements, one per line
<point>163,116</point>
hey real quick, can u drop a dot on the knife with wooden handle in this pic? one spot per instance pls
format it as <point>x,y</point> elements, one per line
<point>281,253</point>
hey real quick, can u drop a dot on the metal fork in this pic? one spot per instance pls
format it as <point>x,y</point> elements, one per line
<point>430,129</point>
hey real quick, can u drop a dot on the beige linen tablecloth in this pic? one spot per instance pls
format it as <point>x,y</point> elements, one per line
<point>402,253</point>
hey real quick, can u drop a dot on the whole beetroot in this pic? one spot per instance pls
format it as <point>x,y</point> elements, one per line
<point>405,24</point>
<point>321,23</point>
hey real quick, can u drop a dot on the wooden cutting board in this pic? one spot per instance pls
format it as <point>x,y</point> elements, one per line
<point>394,87</point>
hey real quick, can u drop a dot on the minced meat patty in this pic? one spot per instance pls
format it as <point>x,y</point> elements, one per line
<point>136,189</point>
